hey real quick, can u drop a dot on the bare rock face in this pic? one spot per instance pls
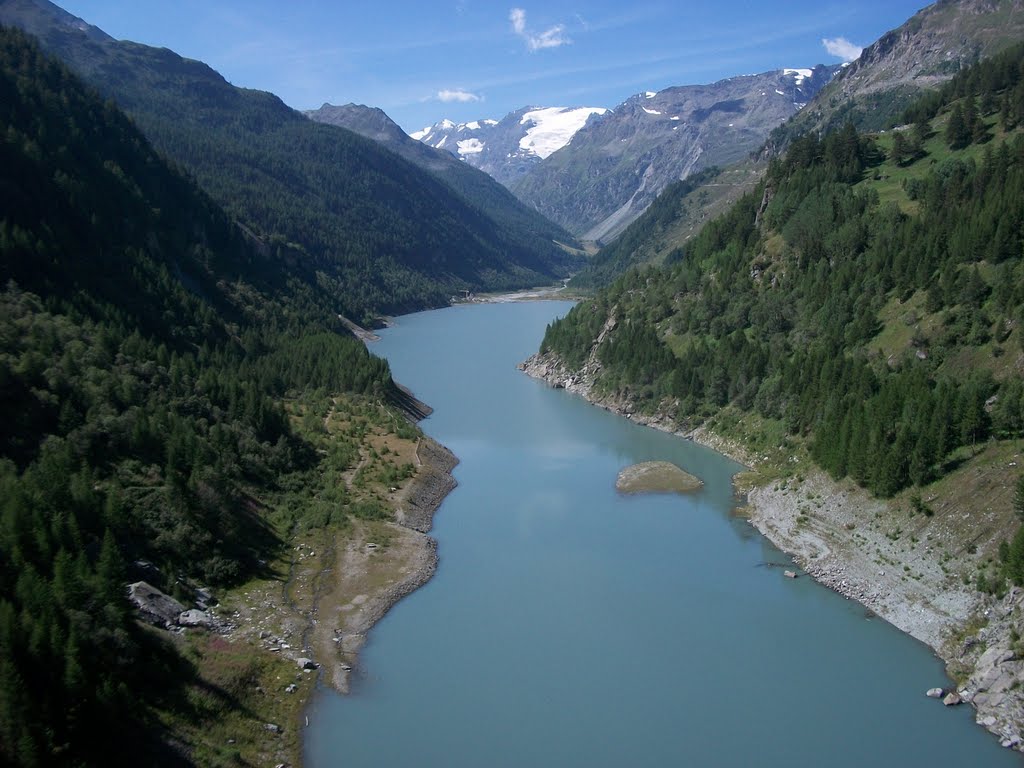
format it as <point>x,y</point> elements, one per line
<point>153,605</point>
<point>195,618</point>
<point>619,162</point>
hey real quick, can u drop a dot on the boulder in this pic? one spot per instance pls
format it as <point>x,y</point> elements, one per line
<point>789,574</point>
<point>204,598</point>
<point>195,618</point>
<point>952,699</point>
<point>306,663</point>
<point>153,605</point>
<point>934,693</point>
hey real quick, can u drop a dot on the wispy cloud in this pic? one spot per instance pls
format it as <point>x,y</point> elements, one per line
<point>842,48</point>
<point>554,37</point>
<point>457,95</point>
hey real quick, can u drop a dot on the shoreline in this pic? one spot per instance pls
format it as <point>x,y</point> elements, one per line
<point>368,578</point>
<point>836,533</point>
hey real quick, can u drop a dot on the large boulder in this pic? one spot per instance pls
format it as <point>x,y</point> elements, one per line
<point>195,618</point>
<point>153,605</point>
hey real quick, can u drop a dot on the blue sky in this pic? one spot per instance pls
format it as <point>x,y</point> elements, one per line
<point>468,59</point>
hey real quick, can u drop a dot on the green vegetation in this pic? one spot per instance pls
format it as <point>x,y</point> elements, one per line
<point>155,366</point>
<point>380,234</point>
<point>783,306</point>
<point>616,258</point>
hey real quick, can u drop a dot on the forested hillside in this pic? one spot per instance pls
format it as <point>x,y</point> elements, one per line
<point>147,354</point>
<point>383,235</point>
<point>469,182</point>
<point>646,237</point>
<point>868,295</point>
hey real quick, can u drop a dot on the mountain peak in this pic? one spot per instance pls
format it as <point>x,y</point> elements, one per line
<point>506,148</point>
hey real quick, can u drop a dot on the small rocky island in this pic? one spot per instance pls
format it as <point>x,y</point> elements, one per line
<point>656,477</point>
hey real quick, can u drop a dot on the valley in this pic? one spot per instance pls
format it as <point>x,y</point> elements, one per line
<point>217,486</point>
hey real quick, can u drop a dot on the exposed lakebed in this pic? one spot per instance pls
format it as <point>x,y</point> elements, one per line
<point>569,624</point>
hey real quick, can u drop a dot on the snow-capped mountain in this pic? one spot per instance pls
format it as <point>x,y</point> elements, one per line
<point>620,161</point>
<point>508,148</point>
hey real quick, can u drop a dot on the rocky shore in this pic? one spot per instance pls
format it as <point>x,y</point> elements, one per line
<point>341,584</point>
<point>910,572</point>
<point>369,577</point>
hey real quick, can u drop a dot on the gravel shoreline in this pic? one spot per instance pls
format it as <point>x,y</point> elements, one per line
<point>368,579</point>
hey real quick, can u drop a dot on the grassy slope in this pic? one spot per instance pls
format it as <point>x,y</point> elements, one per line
<point>241,686</point>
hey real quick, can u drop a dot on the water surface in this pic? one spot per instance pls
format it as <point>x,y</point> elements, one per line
<point>570,626</point>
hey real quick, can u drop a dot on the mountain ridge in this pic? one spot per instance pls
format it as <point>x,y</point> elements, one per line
<point>618,163</point>
<point>386,236</point>
<point>475,186</point>
<point>508,148</point>
<point>921,54</point>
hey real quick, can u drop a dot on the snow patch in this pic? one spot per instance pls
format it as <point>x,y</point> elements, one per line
<point>473,126</point>
<point>446,125</point>
<point>801,74</point>
<point>490,122</point>
<point>650,94</point>
<point>676,117</point>
<point>552,128</point>
<point>421,135</point>
<point>779,92</point>
<point>470,147</point>
<point>441,142</point>
<point>650,111</point>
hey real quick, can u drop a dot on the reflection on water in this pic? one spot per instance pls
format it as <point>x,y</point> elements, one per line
<point>569,625</point>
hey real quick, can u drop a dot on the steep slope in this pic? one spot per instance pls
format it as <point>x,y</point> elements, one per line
<point>926,51</point>
<point>385,236</point>
<point>473,185</point>
<point>660,233</point>
<point>508,148</point>
<point>855,325</point>
<point>147,351</point>
<point>618,163</point>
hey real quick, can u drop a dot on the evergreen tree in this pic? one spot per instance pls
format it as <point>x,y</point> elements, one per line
<point>958,132</point>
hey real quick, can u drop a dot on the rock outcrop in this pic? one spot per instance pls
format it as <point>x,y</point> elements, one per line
<point>153,605</point>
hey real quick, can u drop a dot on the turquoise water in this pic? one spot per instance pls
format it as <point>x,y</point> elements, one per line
<point>570,626</point>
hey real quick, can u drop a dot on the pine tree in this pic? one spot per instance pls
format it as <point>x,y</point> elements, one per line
<point>900,149</point>
<point>958,133</point>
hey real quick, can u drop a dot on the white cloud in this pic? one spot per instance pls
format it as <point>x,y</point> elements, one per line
<point>518,18</point>
<point>841,47</point>
<point>535,41</point>
<point>457,94</point>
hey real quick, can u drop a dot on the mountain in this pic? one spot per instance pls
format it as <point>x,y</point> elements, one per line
<point>471,184</point>
<point>856,320</point>
<point>618,163</point>
<point>677,215</point>
<point>922,54</point>
<point>383,234</point>
<point>508,148</point>
<point>155,362</point>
